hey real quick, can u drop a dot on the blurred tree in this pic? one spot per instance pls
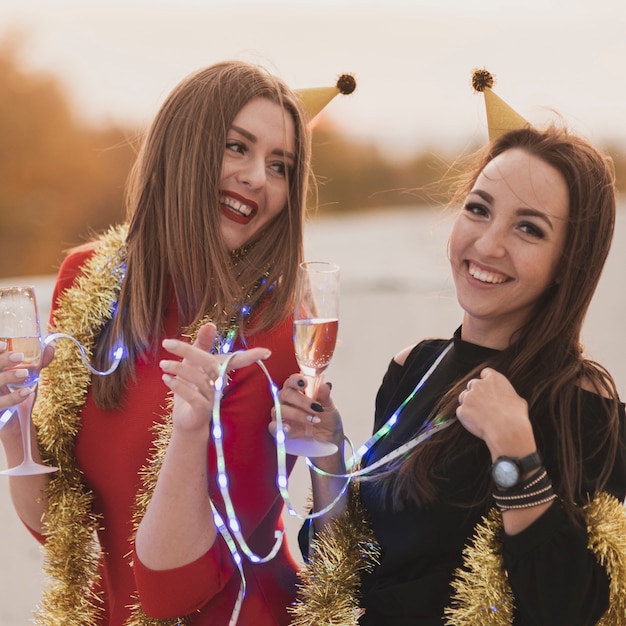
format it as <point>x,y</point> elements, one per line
<point>58,177</point>
<point>352,175</point>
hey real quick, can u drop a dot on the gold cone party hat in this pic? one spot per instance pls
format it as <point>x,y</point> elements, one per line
<point>500,116</point>
<point>316,98</point>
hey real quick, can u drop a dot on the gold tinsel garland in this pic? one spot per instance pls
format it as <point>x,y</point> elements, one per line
<point>606,526</point>
<point>328,594</point>
<point>72,552</point>
<point>483,596</point>
<point>482,584</point>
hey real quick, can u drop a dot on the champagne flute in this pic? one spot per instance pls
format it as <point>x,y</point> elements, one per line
<point>316,322</point>
<point>19,328</point>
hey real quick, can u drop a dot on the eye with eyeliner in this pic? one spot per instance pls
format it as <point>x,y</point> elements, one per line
<point>279,167</point>
<point>236,146</point>
<point>475,209</point>
<point>532,230</point>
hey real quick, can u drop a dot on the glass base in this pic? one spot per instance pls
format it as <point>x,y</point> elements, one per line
<point>308,446</point>
<point>28,469</point>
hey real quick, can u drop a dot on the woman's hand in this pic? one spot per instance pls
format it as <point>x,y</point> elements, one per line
<point>27,493</point>
<point>490,409</point>
<point>192,379</point>
<point>300,413</point>
<point>10,372</point>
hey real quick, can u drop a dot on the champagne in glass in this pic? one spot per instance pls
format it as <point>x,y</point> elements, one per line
<point>314,340</point>
<point>19,328</point>
<point>316,322</point>
<point>31,348</point>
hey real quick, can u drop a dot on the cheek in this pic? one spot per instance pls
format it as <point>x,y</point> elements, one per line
<point>455,244</point>
<point>226,171</point>
<point>547,266</point>
<point>537,273</point>
<point>278,201</point>
<point>552,275</point>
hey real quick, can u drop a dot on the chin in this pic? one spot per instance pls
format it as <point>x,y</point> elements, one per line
<point>234,237</point>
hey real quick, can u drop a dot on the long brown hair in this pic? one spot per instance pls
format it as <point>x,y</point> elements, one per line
<point>174,241</point>
<point>545,361</point>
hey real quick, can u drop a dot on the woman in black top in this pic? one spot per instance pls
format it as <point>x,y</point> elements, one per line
<point>509,512</point>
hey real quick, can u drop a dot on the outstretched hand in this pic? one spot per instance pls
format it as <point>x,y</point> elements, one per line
<point>192,379</point>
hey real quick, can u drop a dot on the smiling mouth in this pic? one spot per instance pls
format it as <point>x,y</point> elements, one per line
<point>486,277</point>
<point>237,210</point>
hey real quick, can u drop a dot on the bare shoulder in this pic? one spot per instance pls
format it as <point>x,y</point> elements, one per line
<point>401,357</point>
<point>588,384</point>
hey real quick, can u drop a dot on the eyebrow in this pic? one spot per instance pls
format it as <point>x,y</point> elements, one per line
<point>252,138</point>
<point>522,211</point>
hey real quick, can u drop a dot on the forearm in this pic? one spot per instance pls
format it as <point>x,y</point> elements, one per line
<point>516,520</point>
<point>28,493</point>
<point>516,441</point>
<point>178,527</point>
<point>326,489</point>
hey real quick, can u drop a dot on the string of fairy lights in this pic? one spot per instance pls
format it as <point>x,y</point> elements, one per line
<point>229,527</point>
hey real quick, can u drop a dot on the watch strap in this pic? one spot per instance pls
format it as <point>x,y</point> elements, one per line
<point>529,463</point>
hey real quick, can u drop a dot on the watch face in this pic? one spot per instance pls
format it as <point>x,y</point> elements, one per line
<point>505,473</point>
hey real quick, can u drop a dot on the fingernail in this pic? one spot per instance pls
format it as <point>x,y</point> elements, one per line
<point>16,357</point>
<point>301,383</point>
<point>314,419</point>
<point>168,343</point>
<point>330,385</point>
<point>26,391</point>
<point>20,373</point>
<point>3,346</point>
<point>267,355</point>
<point>164,365</point>
<point>167,379</point>
<point>317,407</point>
<point>286,428</point>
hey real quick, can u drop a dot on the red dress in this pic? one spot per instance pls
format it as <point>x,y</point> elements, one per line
<point>113,445</point>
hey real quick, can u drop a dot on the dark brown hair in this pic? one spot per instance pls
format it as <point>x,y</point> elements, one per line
<point>545,361</point>
<point>174,241</point>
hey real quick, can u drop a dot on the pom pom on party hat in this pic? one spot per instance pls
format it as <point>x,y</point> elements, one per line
<point>316,98</point>
<point>500,116</point>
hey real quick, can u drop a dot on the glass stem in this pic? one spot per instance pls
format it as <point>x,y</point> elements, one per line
<point>312,387</point>
<point>23,412</point>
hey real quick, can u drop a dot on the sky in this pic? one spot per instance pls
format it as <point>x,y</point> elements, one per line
<point>412,59</point>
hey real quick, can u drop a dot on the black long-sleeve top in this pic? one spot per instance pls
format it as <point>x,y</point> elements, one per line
<point>555,579</point>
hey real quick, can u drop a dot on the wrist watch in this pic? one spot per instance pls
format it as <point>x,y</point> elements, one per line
<point>508,472</point>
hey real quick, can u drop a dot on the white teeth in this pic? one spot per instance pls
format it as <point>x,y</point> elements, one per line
<point>235,205</point>
<point>485,277</point>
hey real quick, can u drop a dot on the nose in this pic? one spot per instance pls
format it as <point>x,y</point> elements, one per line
<point>491,242</point>
<point>252,173</point>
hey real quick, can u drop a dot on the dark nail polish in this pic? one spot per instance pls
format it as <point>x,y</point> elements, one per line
<point>330,385</point>
<point>301,383</point>
<point>318,408</point>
